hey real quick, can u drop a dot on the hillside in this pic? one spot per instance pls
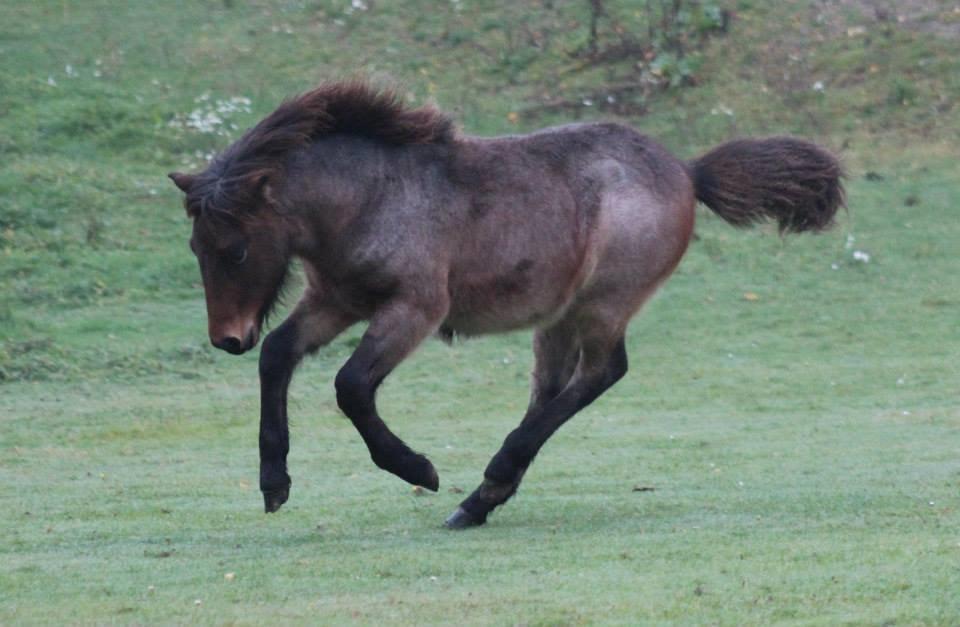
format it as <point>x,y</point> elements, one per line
<point>99,103</point>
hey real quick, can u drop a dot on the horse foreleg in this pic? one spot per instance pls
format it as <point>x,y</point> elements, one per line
<point>393,333</point>
<point>307,329</point>
<point>602,363</point>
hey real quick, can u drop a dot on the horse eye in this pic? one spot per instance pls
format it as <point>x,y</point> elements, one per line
<point>237,254</point>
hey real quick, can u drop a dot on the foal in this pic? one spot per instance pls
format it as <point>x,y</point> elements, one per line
<point>401,222</point>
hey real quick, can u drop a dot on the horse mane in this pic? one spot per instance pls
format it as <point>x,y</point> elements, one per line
<point>235,177</point>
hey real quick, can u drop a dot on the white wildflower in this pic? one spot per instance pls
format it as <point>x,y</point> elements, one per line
<point>212,117</point>
<point>859,255</point>
<point>818,86</point>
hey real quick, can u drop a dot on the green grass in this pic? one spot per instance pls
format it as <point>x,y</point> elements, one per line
<point>794,409</point>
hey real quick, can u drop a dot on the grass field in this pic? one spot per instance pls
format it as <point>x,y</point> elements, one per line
<point>785,448</point>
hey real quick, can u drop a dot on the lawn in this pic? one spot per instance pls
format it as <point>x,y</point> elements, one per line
<point>784,449</point>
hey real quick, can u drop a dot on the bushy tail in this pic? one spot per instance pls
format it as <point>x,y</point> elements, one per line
<point>790,180</point>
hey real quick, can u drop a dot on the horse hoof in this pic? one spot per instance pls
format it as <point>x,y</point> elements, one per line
<point>432,479</point>
<point>418,470</point>
<point>462,519</point>
<point>273,499</point>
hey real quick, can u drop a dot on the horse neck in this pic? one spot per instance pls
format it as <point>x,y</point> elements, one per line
<point>328,184</point>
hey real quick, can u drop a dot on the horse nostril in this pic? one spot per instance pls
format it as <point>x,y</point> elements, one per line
<point>230,344</point>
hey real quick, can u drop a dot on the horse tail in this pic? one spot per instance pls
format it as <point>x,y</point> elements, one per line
<point>790,180</point>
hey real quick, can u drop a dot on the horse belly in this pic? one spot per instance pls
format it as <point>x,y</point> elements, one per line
<point>527,293</point>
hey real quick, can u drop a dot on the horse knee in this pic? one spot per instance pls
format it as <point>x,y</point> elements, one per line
<point>277,356</point>
<point>354,392</point>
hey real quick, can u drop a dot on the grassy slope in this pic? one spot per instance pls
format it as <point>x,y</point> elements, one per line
<point>803,444</point>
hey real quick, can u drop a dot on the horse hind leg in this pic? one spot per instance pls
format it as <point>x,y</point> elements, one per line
<point>556,351</point>
<point>601,360</point>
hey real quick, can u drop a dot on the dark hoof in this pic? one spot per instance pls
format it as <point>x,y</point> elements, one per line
<point>429,477</point>
<point>462,519</point>
<point>416,469</point>
<point>273,499</point>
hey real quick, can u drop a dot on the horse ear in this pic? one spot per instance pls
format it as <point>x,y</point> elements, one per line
<point>183,181</point>
<point>261,183</point>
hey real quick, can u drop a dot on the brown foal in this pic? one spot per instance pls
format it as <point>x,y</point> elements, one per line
<point>401,222</point>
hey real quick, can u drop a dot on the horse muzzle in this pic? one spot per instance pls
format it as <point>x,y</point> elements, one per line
<point>236,342</point>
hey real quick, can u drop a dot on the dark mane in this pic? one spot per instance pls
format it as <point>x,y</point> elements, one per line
<point>235,177</point>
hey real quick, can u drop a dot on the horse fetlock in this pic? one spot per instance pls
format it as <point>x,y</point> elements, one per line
<point>496,493</point>
<point>504,469</point>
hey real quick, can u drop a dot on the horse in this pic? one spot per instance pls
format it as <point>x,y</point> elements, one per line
<point>402,221</point>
